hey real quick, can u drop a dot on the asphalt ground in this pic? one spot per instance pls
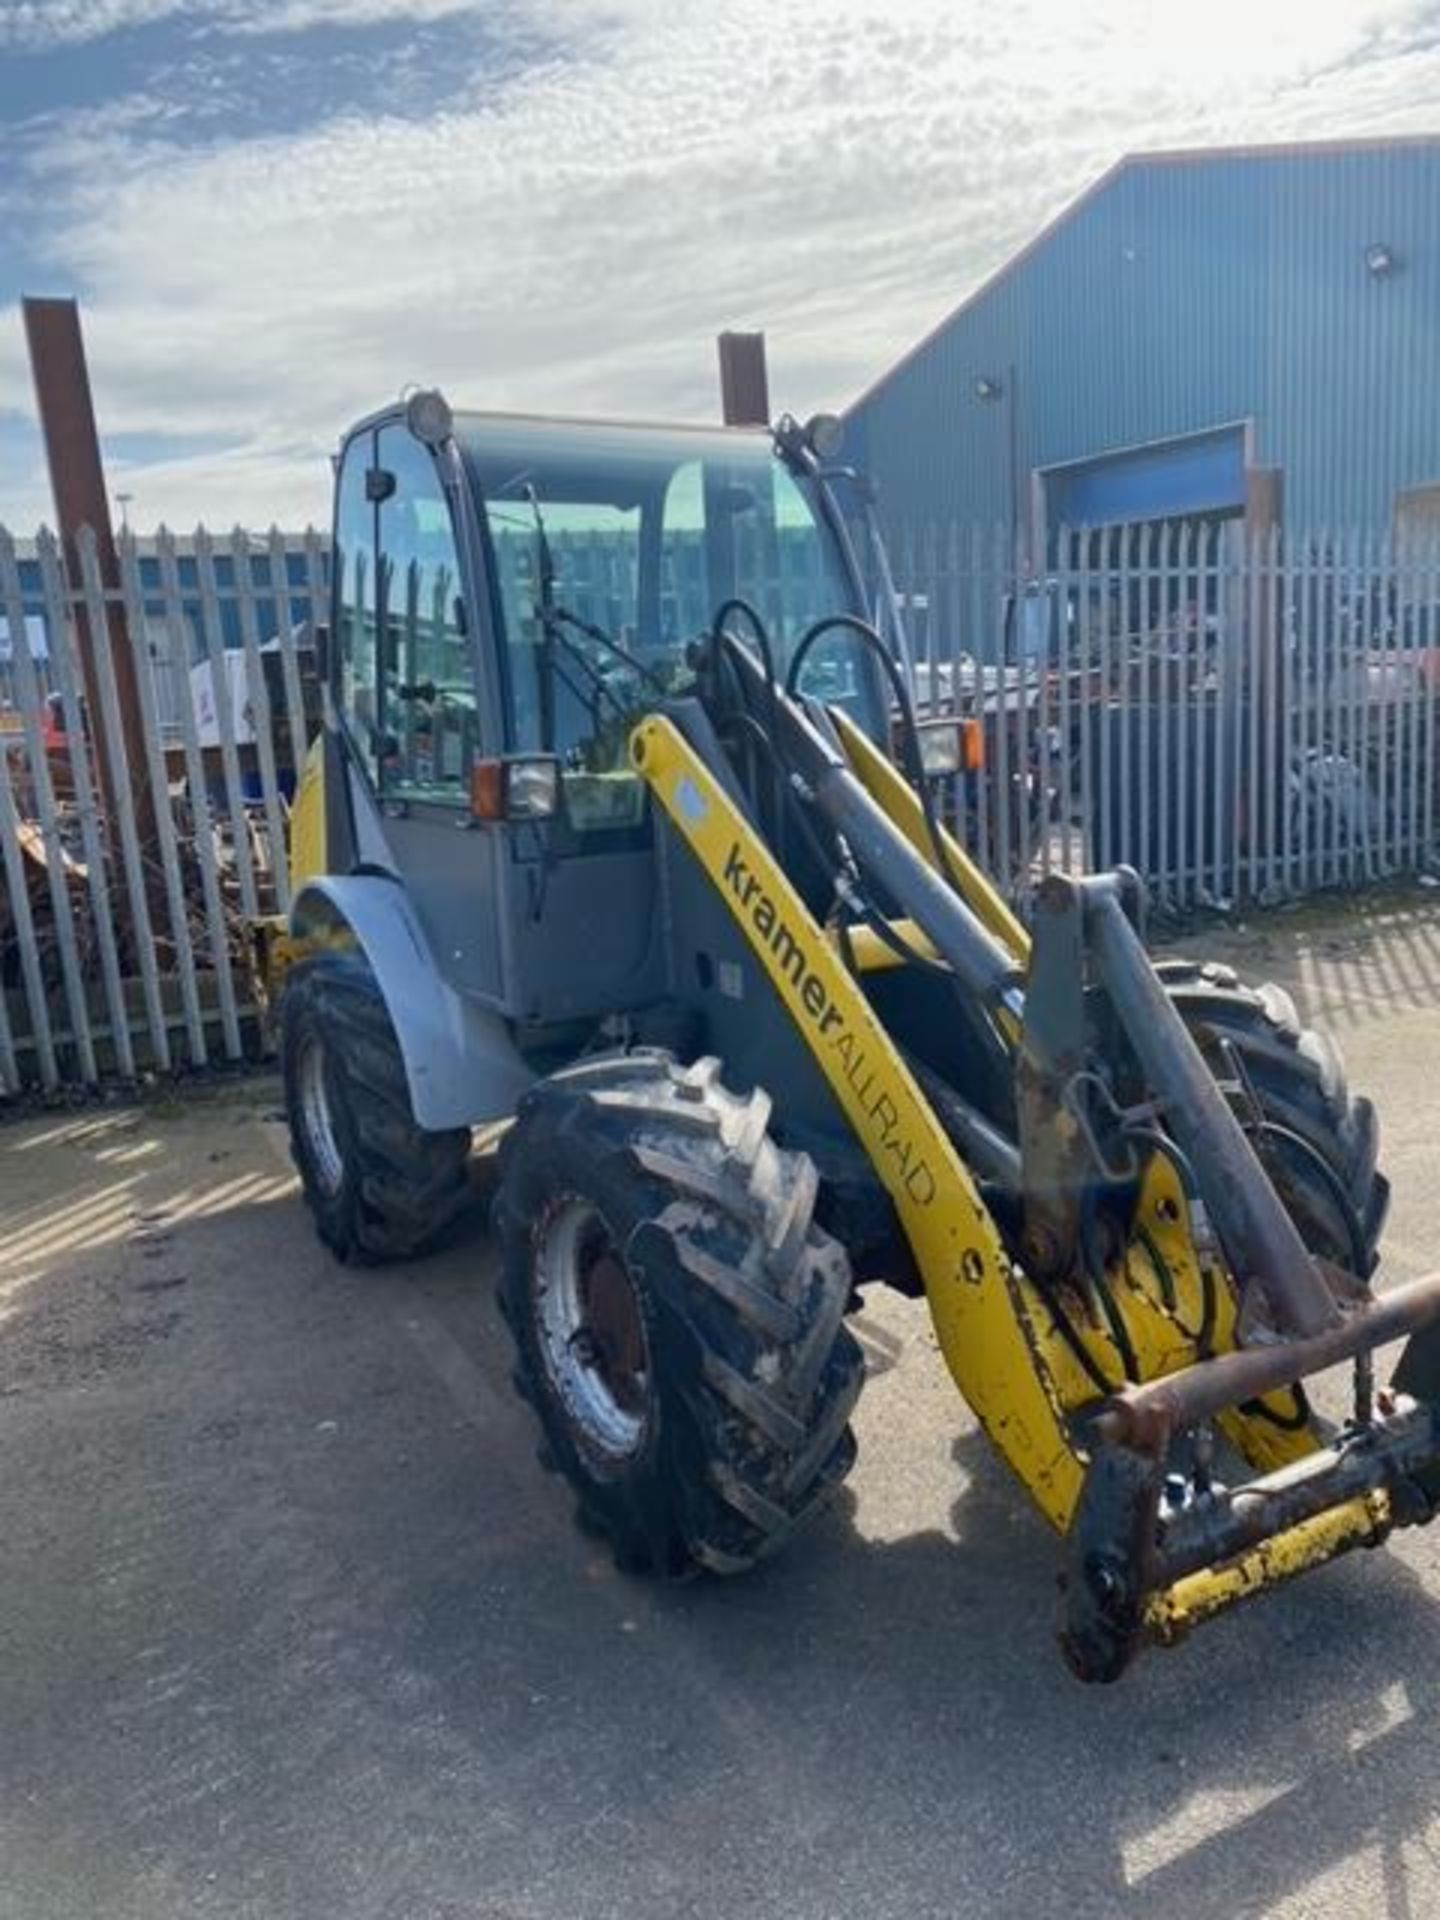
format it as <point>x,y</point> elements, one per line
<point>293,1624</point>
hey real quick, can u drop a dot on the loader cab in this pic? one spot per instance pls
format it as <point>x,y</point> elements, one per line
<point>510,595</point>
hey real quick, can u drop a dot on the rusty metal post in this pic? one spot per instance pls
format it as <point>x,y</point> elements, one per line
<point>744,382</point>
<point>77,484</point>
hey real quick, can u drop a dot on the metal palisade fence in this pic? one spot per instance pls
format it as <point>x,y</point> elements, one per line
<point>1241,719</point>
<point>154,708</point>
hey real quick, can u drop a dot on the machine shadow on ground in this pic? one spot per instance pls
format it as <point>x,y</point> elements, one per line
<point>1311,1721</point>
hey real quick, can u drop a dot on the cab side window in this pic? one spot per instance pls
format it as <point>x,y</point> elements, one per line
<point>427,679</point>
<point>354,617</point>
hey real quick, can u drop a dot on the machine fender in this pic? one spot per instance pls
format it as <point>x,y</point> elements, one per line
<point>460,1062</point>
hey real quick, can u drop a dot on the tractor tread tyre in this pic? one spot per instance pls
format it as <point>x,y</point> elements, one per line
<point>752,1374</point>
<point>1297,1078</point>
<point>401,1186</point>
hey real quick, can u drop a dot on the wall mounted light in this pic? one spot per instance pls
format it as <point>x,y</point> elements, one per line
<point>1379,259</point>
<point>988,389</point>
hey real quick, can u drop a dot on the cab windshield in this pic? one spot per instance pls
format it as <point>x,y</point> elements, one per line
<point>613,548</point>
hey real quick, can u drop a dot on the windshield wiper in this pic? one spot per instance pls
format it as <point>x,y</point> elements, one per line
<point>563,617</point>
<point>554,619</point>
<point>545,611</point>
<point>586,664</point>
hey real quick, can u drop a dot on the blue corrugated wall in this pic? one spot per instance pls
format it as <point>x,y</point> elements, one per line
<point>1181,294</point>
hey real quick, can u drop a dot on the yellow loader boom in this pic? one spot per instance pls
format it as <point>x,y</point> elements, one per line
<point>1142,1562</point>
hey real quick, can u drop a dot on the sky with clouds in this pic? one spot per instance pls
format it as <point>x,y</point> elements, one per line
<point>276,213</point>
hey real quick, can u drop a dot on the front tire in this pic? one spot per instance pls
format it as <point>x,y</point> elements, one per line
<point>1286,1082</point>
<point>678,1316</point>
<point>379,1186</point>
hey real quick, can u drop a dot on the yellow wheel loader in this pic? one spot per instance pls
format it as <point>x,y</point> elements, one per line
<point>602,837</point>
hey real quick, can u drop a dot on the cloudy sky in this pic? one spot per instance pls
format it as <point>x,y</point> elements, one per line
<point>276,213</point>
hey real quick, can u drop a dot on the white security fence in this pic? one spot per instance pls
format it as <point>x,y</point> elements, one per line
<point>150,733</point>
<point>1239,721</point>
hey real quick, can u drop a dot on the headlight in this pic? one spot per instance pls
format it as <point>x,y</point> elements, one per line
<point>532,788</point>
<point>950,746</point>
<point>524,788</point>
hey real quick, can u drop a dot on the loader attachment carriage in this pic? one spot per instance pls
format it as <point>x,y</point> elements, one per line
<point>767,1034</point>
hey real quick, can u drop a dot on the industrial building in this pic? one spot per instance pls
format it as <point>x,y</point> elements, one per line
<point>1247,334</point>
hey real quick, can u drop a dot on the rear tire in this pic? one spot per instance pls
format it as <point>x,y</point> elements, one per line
<point>1316,1140</point>
<point>678,1316</point>
<point>379,1186</point>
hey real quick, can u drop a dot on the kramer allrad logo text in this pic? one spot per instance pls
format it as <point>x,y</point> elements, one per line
<point>831,1033</point>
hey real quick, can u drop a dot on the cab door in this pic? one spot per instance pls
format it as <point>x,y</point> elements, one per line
<point>410,696</point>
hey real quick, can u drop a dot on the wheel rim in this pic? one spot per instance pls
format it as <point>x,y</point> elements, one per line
<point>591,1329</point>
<point>316,1118</point>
